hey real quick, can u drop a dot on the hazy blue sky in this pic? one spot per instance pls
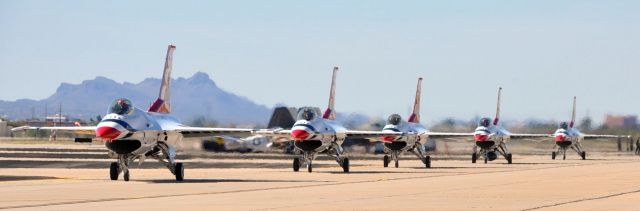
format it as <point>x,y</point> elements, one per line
<point>541,52</point>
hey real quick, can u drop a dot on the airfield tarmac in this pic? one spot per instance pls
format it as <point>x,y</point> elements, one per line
<point>75,177</point>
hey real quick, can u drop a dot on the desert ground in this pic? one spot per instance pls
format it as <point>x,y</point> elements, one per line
<point>40,175</point>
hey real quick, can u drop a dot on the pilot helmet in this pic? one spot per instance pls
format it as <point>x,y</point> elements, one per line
<point>307,114</point>
<point>484,122</point>
<point>121,106</point>
<point>394,119</point>
<point>564,125</point>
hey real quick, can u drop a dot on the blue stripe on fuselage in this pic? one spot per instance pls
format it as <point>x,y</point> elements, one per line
<point>392,129</point>
<point>120,122</point>
<point>307,126</point>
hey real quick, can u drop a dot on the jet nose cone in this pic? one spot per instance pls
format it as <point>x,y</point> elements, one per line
<point>481,137</point>
<point>107,133</point>
<point>299,134</point>
<point>389,138</point>
<point>390,129</point>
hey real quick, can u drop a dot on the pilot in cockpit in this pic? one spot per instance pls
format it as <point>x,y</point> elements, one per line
<point>484,122</point>
<point>121,106</point>
<point>306,114</point>
<point>564,125</point>
<point>394,119</point>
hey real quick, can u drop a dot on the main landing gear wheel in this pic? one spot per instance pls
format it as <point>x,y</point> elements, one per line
<point>179,171</point>
<point>583,155</point>
<point>474,157</point>
<point>427,162</point>
<point>309,168</point>
<point>296,164</point>
<point>564,156</point>
<point>126,176</point>
<point>386,161</point>
<point>509,158</point>
<point>486,159</point>
<point>397,163</point>
<point>553,155</point>
<point>114,171</point>
<point>345,165</point>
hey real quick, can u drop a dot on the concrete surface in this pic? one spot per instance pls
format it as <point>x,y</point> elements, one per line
<point>73,177</point>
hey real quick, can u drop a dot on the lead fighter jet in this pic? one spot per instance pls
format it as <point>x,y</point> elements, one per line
<point>132,133</point>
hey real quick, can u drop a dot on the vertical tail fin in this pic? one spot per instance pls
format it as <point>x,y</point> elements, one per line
<point>573,113</point>
<point>330,113</point>
<point>415,115</point>
<point>495,121</point>
<point>162,104</point>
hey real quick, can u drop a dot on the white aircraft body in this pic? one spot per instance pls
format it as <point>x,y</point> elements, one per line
<point>132,133</point>
<point>568,137</point>
<point>313,134</point>
<point>414,134</point>
<point>492,139</point>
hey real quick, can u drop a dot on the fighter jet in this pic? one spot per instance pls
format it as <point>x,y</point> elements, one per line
<point>414,134</point>
<point>566,136</point>
<point>313,134</point>
<point>492,139</point>
<point>132,133</point>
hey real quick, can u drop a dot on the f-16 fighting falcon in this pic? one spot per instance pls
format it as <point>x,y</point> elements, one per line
<point>132,133</point>
<point>414,134</point>
<point>492,139</point>
<point>568,137</point>
<point>313,134</point>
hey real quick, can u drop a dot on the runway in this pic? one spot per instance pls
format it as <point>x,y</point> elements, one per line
<point>75,177</point>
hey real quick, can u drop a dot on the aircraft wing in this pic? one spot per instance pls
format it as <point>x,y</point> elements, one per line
<point>370,134</point>
<point>447,135</point>
<point>277,135</point>
<point>273,132</point>
<point>590,136</point>
<point>74,129</point>
<point>525,135</point>
<point>280,133</point>
<point>195,132</point>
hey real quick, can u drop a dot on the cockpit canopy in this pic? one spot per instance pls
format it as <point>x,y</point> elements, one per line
<point>394,119</point>
<point>121,106</point>
<point>484,122</point>
<point>564,125</point>
<point>307,113</point>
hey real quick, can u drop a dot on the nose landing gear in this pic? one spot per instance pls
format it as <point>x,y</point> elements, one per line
<point>161,152</point>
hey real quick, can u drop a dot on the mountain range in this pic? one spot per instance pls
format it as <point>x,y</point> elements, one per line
<point>194,98</point>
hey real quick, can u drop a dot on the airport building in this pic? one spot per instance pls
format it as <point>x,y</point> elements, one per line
<point>621,120</point>
<point>52,120</point>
